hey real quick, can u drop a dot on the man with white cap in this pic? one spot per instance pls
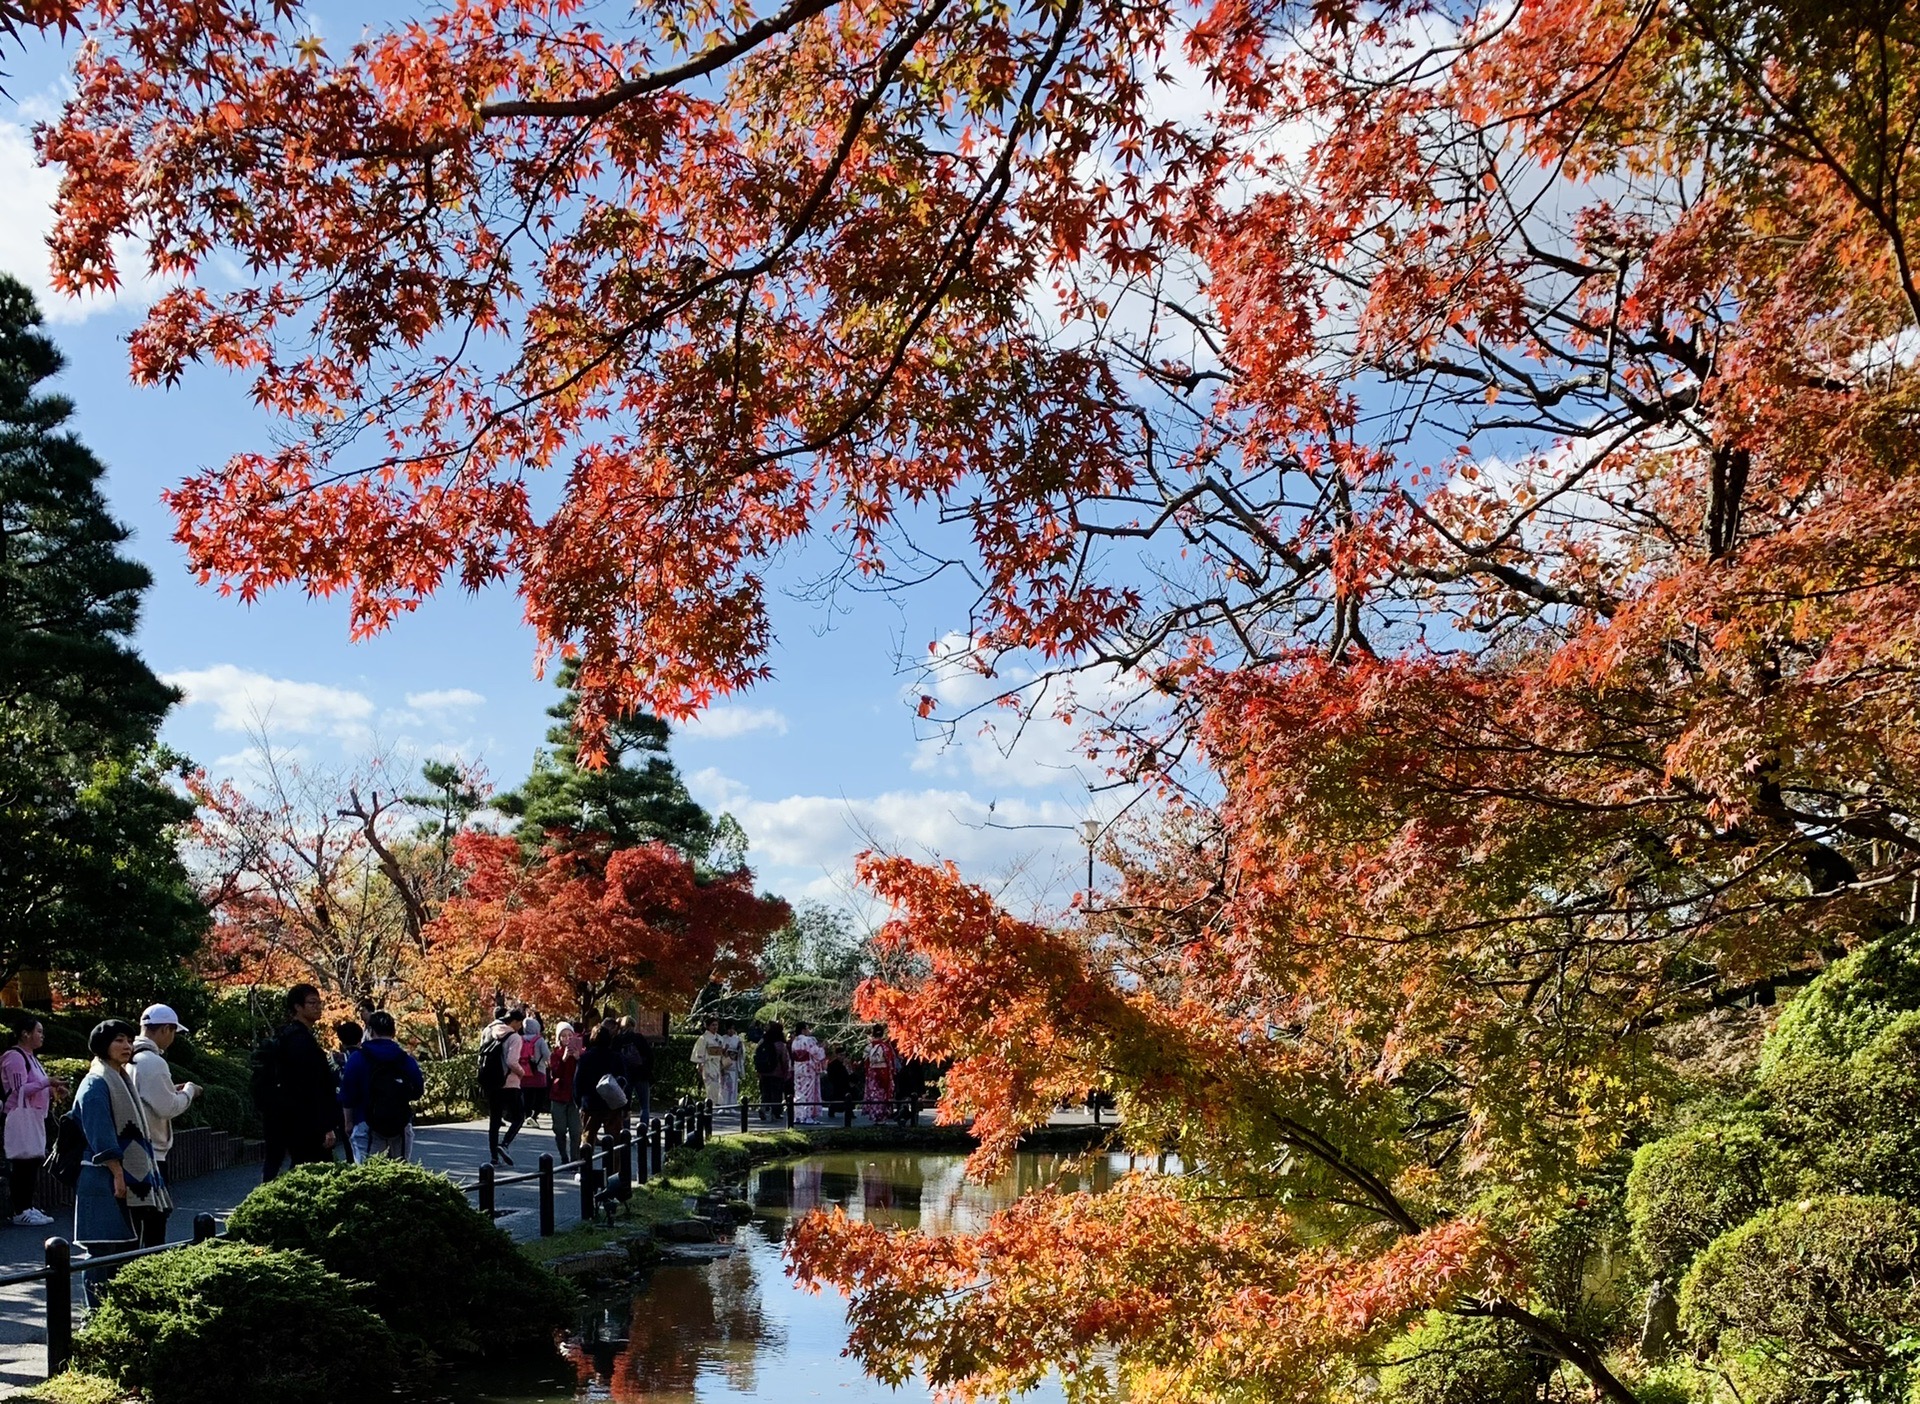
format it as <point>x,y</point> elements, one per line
<point>164,1099</point>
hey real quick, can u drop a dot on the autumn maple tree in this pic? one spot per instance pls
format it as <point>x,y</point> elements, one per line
<point>1482,434</point>
<point>575,923</point>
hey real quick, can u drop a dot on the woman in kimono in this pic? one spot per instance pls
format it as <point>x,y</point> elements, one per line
<point>881,1060</point>
<point>710,1056</point>
<point>736,1055</point>
<point>809,1061</point>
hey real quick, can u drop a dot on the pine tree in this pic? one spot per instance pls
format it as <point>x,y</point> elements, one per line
<point>636,797</point>
<point>90,881</point>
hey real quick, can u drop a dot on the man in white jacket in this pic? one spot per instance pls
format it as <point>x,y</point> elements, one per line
<point>163,1098</point>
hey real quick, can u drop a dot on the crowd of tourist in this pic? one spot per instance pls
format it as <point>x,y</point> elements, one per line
<point>358,1101</point>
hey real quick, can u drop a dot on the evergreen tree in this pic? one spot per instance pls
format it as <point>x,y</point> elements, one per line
<point>90,881</point>
<point>636,797</point>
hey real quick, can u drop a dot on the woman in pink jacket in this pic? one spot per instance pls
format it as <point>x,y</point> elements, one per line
<point>28,1098</point>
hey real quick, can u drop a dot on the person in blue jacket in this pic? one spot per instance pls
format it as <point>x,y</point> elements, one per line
<point>378,1088</point>
<point>121,1170</point>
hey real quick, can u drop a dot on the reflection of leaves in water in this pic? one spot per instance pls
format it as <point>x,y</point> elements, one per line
<point>684,1320</point>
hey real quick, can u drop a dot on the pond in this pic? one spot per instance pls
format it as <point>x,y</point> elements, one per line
<point>737,1329</point>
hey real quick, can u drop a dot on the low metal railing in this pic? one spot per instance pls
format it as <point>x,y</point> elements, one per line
<point>58,1275</point>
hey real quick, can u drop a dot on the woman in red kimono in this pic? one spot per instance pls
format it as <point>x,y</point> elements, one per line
<point>881,1063</point>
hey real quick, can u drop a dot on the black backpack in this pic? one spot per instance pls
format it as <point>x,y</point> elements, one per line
<point>493,1064</point>
<point>389,1105</point>
<point>69,1151</point>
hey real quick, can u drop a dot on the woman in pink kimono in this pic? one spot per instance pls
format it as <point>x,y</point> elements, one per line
<point>809,1061</point>
<point>881,1061</point>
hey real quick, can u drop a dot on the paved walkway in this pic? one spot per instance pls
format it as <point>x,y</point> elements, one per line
<point>458,1148</point>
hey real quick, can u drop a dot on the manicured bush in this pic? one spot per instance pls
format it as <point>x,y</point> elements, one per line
<point>435,1270</point>
<point>1822,1291</point>
<point>232,1322</point>
<point>1843,1010</point>
<point>1457,1360</point>
<point>1852,1126</point>
<point>1687,1189</point>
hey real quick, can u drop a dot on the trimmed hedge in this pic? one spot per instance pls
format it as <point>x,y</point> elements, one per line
<point>233,1321</point>
<point>1843,1010</point>
<point>1686,1190</point>
<point>1823,1290</point>
<point>434,1270</point>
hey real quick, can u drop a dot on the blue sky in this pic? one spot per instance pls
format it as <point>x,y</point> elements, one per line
<point>823,761</point>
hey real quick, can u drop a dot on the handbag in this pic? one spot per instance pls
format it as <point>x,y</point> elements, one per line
<point>613,1096</point>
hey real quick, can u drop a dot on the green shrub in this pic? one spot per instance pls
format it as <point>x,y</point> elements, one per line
<point>1823,1291</point>
<point>435,1270</point>
<point>1842,1011</point>
<point>1852,1126</point>
<point>452,1088</point>
<point>231,1321</point>
<point>1459,1360</point>
<point>1687,1189</point>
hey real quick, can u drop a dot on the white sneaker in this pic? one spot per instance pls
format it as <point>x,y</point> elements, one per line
<point>32,1218</point>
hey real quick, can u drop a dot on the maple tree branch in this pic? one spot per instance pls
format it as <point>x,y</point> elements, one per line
<point>714,58</point>
<point>1562,1344</point>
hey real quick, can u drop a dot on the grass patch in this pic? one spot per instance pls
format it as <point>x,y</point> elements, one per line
<point>687,1174</point>
<point>73,1388</point>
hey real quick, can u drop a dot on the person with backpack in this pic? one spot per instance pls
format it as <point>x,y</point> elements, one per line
<point>119,1175</point>
<point>500,1082</point>
<point>28,1091</point>
<point>378,1088</point>
<point>535,1056</point>
<point>295,1089</point>
<point>163,1098</point>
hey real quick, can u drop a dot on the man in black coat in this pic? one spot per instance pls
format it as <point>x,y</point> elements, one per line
<point>295,1088</point>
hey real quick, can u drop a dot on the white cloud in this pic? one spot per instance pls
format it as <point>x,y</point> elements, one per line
<point>246,701</point>
<point>820,835</point>
<point>28,217</point>
<point>724,723</point>
<point>446,699</point>
<point>1028,746</point>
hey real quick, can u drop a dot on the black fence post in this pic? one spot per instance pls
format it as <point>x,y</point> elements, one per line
<point>745,1107</point>
<point>626,1152</point>
<point>589,1180</point>
<point>546,1195</point>
<point>205,1226</point>
<point>657,1148</point>
<point>486,1191</point>
<point>788,1100</point>
<point>644,1162</point>
<point>59,1305</point>
<point>707,1113</point>
<point>849,1113</point>
<point>1093,1105</point>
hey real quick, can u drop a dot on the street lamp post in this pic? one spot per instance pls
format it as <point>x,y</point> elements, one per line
<point>1090,831</point>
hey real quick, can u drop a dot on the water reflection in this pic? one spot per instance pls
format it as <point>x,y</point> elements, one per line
<point>738,1329</point>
